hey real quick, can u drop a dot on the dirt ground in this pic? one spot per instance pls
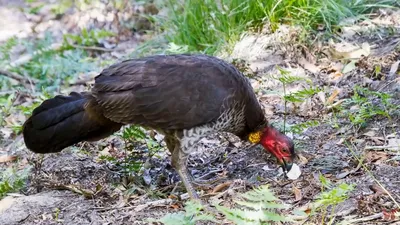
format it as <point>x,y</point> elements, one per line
<point>77,187</point>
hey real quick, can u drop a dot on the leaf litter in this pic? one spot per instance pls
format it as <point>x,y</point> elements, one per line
<point>85,188</point>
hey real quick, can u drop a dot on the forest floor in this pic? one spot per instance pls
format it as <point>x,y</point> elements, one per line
<point>348,130</point>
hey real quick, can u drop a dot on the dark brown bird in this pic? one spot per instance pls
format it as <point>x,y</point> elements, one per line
<point>185,97</point>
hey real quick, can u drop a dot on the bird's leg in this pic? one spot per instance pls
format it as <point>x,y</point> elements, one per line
<point>184,149</point>
<point>179,160</point>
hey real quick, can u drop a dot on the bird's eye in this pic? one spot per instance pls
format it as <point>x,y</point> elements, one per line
<point>285,150</point>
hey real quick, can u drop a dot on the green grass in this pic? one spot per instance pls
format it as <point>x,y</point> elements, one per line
<point>206,25</point>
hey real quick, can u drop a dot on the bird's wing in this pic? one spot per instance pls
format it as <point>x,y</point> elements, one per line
<point>174,92</point>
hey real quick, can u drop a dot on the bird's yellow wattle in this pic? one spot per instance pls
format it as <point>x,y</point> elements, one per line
<point>255,137</point>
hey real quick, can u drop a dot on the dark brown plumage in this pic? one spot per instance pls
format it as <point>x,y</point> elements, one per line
<point>186,97</point>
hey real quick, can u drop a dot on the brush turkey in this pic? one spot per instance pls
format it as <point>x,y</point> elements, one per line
<point>185,97</point>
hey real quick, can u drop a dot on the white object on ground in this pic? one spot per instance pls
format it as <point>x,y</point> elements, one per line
<point>294,173</point>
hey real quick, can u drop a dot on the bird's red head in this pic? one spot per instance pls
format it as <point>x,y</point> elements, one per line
<point>278,144</point>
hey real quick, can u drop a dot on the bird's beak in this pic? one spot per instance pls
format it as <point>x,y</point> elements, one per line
<point>286,164</point>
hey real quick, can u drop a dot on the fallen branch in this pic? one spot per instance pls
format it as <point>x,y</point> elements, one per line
<point>87,193</point>
<point>209,173</point>
<point>161,202</point>
<point>93,48</point>
<point>385,147</point>
<point>222,186</point>
<point>366,219</point>
<point>55,47</point>
<point>18,77</point>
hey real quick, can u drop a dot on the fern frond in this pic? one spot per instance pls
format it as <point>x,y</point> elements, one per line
<point>260,208</point>
<point>301,95</point>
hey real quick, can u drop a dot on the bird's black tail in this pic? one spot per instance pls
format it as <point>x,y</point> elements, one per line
<point>66,120</point>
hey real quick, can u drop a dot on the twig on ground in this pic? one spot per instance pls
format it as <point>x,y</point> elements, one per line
<point>335,104</point>
<point>18,77</point>
<point>209,173</point>
<point>219,187</point>
<point>87,193</point>
<point>57,46</point>
<point>388,84</point>
<point>256,165</point>
<point>137,208</point>
<point>365,219</point>
<point>94,48</point>
<point>385,147</point>
<point>161,202</point>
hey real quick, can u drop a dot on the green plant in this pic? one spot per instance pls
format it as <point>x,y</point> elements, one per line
<point>12,180</point>
<point>86,38</point>
<point>330,197</point>
<point>158,45</point>
<point>52,66</point>
<point>5,50</point>
<point>258,206</point>
<point>193,213</point>
<point>6,104</point>
<point>134,159</point>
<point>365,105</point>
<point>54,70</point>
<point>295,97</point>
<point>301,95</point>
<point>300,127</point>
<point>61,6</point>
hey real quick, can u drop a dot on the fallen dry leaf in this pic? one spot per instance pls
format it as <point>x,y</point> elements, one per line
<point>377,189</point>
<point>308,66</point>
<point>346,50</point>
<point>349,67</point>
<point>175,206</point>
<point>302,159</point>
<point>6,203</point>
<point>370,133</point>
<point>394,68</point>
<point>337,75</point>
<point>321,96</point>
<point>378,140</point>
<point>222,186</point>
<point>297,194</point>
<point>394,144</point>
<point>377,157</point>
<point>7,158</point>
